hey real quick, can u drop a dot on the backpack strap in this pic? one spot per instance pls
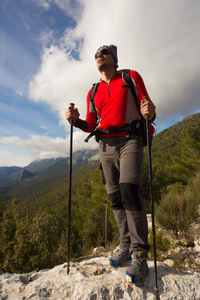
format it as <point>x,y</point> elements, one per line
<point>92,94</point>
<point>126,76</point>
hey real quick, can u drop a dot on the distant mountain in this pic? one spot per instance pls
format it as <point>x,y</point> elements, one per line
<point>40,165</point>
<point>47,166</point>
<point>25,175</point>
<point>40,173</point>
<point>8,174</point>
<point>54,165</point>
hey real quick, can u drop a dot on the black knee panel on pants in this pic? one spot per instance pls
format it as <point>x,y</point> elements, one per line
<point>130,196</point>
<point>116,200</point>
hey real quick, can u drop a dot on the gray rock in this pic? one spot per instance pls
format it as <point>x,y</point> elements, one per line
<point>96,279</point>
<point>169,262</point>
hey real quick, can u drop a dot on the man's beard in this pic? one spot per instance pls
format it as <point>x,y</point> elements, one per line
<point>102,67</point>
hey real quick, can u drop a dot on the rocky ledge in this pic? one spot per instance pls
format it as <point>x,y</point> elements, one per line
<point>96,279</point>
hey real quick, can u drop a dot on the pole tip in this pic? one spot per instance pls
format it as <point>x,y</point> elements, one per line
<point>156,291</point>
<point>68,264</point>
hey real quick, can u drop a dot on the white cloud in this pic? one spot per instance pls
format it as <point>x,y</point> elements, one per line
<point>46,37</point>
<point>43,127</point>
<point>71,8</point>
<point>41,147</point>
<point>13,156</point>
<point>43,3</point>
<point>19,93</point>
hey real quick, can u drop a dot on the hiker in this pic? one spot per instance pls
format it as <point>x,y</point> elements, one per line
<point>121,155</point>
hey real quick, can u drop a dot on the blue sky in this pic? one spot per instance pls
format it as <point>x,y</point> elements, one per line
<point>47,61</point>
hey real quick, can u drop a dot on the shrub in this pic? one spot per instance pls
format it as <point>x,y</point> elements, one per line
<point>178,209</point>
<point>162,244</point>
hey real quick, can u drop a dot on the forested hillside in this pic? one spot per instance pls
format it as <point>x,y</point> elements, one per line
<point>34,228</point>
<point>175,156</point>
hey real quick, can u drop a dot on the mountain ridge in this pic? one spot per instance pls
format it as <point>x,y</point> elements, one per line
<point>47,166</point>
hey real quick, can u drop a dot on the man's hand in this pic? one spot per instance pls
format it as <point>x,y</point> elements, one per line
<point>148,109</point>
<point>72,114</point>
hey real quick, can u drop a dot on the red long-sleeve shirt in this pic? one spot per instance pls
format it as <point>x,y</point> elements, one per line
<point>115,104</point>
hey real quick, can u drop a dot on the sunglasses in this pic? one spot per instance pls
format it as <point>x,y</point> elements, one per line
<point>103,51</point>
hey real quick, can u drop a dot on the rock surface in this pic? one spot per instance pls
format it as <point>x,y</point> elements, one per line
<point>95,279</point>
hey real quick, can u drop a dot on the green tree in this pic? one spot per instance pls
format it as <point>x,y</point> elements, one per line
<point>44,238</point>
<point>2,207</point>
<point>7,242</point>
<point>23,248</point>
<point>10,219</point>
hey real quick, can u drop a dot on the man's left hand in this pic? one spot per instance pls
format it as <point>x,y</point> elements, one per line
<point>148,109</point>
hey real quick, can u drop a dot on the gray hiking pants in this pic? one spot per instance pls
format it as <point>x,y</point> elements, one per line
<point>121,160</point>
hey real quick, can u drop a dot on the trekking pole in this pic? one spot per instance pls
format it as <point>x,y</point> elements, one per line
<point>70,189</point>
<point>152,204</point>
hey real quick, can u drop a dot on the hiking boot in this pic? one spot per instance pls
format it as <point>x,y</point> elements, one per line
<point>120,257</point>
<point>138,269</point>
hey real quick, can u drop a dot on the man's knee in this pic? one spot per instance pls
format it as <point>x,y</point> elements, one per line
<point>130,195</point>
<point>116,200</point>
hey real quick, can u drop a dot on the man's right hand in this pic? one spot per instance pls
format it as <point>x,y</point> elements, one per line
<point>72,114</point>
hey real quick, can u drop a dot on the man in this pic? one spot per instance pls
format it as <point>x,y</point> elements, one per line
<point>121,156</point>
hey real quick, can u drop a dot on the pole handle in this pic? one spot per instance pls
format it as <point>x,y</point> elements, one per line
<point>71,105</point>
<point>146,98</point>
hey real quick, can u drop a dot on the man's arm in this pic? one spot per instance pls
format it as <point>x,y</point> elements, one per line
<point>147,107</point>
<point>87,125</point>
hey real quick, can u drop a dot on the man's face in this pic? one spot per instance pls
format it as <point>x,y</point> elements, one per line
<point>104,60</point>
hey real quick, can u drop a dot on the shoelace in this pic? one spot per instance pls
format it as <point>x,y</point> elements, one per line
<point>141,263</point>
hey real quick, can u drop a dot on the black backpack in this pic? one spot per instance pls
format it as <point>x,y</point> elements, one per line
<point>136,127</point>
